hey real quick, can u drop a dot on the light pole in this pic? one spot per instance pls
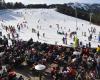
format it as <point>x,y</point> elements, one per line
<point>75,14</point>
<point>91,17</point>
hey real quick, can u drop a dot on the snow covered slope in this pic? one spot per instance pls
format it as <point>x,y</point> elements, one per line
<point>46,21</point>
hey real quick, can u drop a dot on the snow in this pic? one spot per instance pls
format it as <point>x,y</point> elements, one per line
<point>45,18</point>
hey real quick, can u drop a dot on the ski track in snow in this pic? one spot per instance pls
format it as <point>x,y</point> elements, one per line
<point>45,18</point>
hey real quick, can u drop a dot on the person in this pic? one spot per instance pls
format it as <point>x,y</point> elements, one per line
<point>81,44</point>
<point>57,26</point>
<point>66,34</point>
<point>99,38</point>
<point>1,41</point>
<point>90,36</point>
<point>20,78</point>
<point>5,42</point>
<point>43,34</point>
<point>38,34</point>
<point>71,73</point>
<point>8,35</point>
<point>30,41</point>
<point>98,66</point>
<point>4,74</point>
<point>0,33</point>
<point>66,40</point>
<point>33,30</point>
<point>50,26</point>
<point>18,26</point>
<point>98,50</point>
<point>76,41</point>
<point>17,35</point>
<point>63,39</point>
<point>84,34</point>
<point>69,30</point>
<point>82,25</point>
<point>89,44</point>
<point>56,42</point>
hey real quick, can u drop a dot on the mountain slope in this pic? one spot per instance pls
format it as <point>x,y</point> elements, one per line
<point>42,19</point>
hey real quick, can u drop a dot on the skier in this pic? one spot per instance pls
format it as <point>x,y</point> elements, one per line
<point>63,39</point>
<point>76,42</point>
<point>82,25</point>
<point>33,30</point>
<point>66,34</point>
<point>56,42</point>
<point>61,27</point>
<point>38,34</point>
<point>84,34</point>
<point>77,28</point>
<point>90,37</point>
<point>89,44</point>
<point>66,40</point>
<point>57,26</point>
<point>0,33</point>
<point>81,44</point>
<point>13,37</point>
<point>6,28</point>
<point>8,35</point>
<point>50,26</point>
<point>98,49</point>
<point>24,25</point>
<point>69,30</point>
<point>21,25</point>
<point>99,38</point>
<point>19,28</point>
<point>38,20</point>
<point>43,34</point>
<point>17,35</point>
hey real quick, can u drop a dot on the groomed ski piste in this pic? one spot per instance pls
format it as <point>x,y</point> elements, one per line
<point>47,22</point>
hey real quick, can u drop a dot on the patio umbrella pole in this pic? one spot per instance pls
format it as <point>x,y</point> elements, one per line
<point>40,76</point>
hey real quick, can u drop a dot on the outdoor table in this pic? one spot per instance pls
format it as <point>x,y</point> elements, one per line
<point>40,68</point>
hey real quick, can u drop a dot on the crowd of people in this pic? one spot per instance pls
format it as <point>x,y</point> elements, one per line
<point>73,35</point>
<point>78,63</point>
<point>7,73</point>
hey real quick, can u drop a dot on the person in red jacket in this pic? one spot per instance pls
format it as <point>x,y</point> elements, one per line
<point>71,73</point>
<point>85,51</point>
